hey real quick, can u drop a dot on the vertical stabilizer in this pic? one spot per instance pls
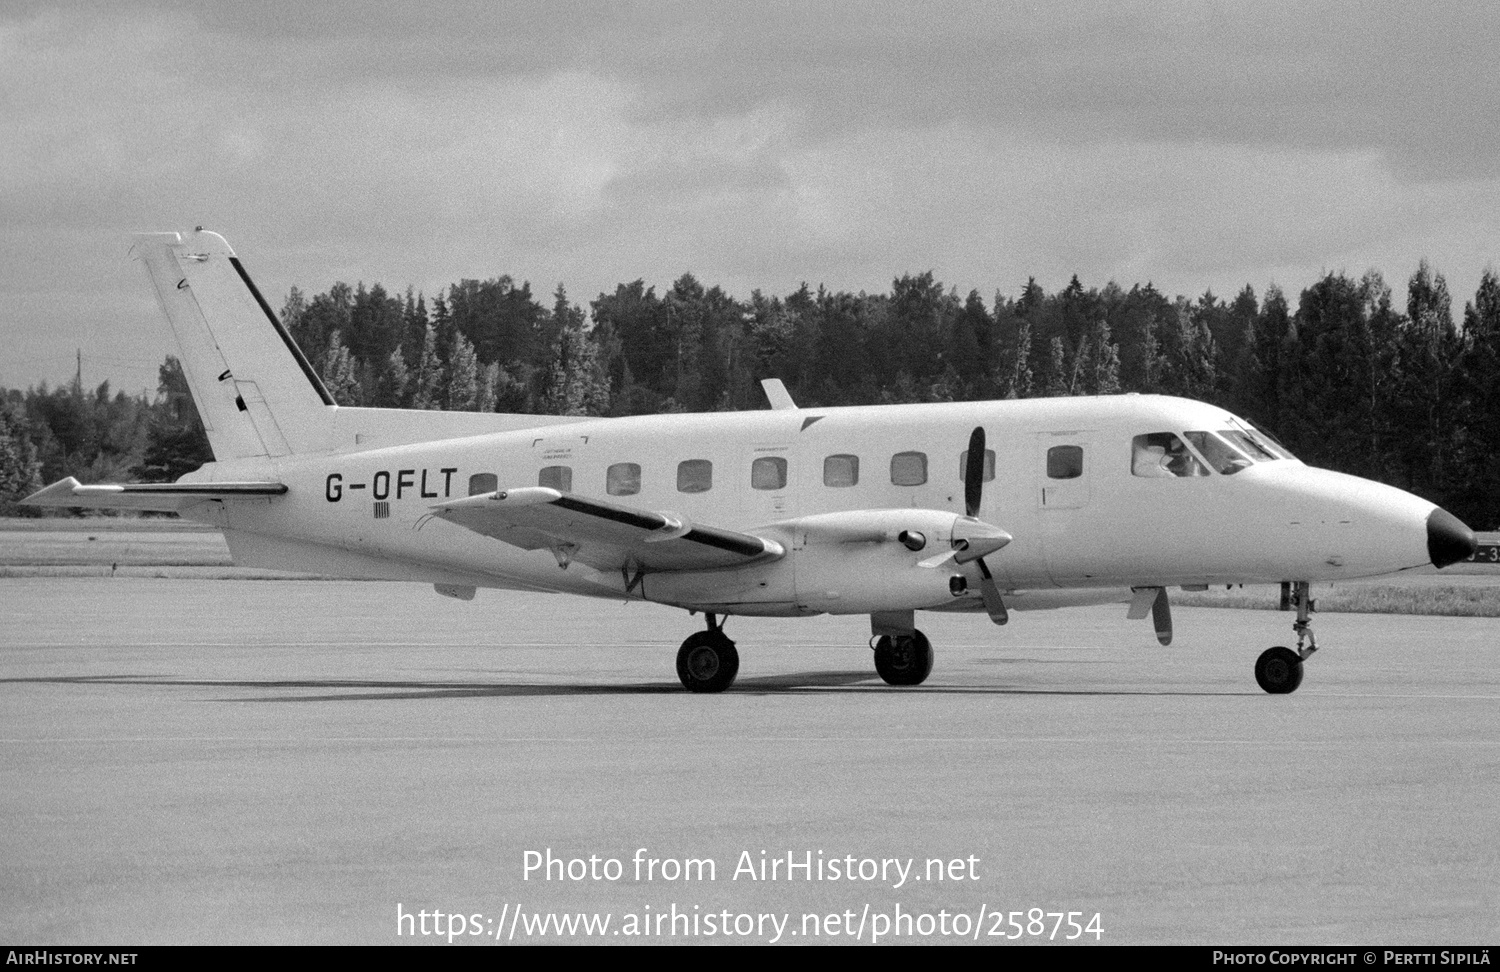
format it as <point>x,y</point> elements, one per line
<point>255,390</point>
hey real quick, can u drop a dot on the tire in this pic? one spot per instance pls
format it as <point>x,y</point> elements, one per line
<point>904,660</point>
<point>1278,670</point>
<point>707,662</point>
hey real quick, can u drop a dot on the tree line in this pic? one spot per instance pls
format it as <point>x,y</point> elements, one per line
<point>1347,379</point>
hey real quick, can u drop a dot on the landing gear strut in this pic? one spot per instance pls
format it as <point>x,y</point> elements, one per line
<point>707,660</point>
<point>904,659</point>
<point>1279,670</point>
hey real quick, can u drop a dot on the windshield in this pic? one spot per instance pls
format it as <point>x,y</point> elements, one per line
<point>1220,455</point>
<point>1262,440</point>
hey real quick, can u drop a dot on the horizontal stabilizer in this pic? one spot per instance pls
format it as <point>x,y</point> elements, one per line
<point>161,497</point>
<point>605,536</point>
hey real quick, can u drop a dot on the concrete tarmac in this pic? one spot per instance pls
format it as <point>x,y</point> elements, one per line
<point>275,761</point>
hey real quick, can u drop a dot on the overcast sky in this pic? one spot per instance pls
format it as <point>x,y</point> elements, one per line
<point>1193,144</point>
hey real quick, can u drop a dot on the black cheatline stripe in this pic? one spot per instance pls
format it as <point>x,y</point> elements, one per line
<point>222,489</point>
<point>291,345</point>
<point>733,542</point>
<point>644,521</point>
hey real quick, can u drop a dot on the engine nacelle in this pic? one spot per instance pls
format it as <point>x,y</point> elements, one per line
<point>864,561</point>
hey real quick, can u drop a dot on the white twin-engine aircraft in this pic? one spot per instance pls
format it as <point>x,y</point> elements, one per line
<point>983,507</point>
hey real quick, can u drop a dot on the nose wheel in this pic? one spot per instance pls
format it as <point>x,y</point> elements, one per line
<point>1279,670</point>
<point>903,659</point>
<point>708,660</point>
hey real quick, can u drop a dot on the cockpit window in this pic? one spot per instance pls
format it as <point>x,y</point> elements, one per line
<point>1220,454</point>
<point>1264,440</point>
<point>1164,455</point>
<point>1249,445</point>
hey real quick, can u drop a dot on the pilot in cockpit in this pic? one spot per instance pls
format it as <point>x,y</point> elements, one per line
<point>1164,455</point>
<point>1150,461</point>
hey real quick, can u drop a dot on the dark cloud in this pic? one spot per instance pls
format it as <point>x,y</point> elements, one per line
<point>1196,144</point>
<point>1415,83</point>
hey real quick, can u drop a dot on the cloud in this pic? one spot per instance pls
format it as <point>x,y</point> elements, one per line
<point>1194,144</point>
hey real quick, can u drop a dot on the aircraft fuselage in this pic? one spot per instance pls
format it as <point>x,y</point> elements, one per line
<point>1088,522</point>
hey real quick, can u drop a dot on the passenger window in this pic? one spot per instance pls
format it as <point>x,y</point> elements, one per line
<point>623,479</point>
<point>556,477</point>
<point>841,470</point>
<point>989,465</point>
<point>1064,462</point>
<point>1163,455</point>
<point>768,472</point>
<point>695,476</point>
<point>909,468</point>
<point>483,483</point>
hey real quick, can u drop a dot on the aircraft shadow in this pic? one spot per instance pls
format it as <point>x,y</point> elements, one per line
<point>366,690</point>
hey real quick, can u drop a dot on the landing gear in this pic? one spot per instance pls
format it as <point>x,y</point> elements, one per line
<point>1279,670</point>
<point>904,659</point>
<point>707,660</point>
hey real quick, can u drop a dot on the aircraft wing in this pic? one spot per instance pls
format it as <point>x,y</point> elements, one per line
<point>160,497</point>
<point>603,535</point>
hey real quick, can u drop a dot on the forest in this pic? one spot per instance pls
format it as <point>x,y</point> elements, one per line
<point>1344,377</point>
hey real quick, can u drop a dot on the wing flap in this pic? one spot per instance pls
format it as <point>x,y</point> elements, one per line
<point>607,536</point>
<point>159,497</point>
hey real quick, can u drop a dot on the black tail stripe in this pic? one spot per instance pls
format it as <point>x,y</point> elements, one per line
<point>291,345</point>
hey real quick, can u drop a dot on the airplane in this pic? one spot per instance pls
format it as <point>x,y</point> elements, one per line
<point>885,511</point>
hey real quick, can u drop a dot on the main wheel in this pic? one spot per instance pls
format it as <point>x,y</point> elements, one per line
<point>1278,670</point>
<point>905,659</point>
<point>707,662</point>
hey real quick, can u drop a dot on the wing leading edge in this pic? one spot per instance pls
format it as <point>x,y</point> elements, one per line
<point>603,535</point>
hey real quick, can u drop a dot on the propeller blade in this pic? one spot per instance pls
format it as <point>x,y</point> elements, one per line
<point>1161,616</point>
<point>974,472</point>
<point>939,560</point>
<point>994,604</point>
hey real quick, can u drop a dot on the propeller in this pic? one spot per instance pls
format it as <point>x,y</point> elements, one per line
<point>975,547</point>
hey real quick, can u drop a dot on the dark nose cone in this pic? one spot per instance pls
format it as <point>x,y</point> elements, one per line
<point>1448,540</point>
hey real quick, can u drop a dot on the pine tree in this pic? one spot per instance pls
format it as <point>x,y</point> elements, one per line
<point>1478,501</point>
<point>1020,385</point>
<point>1104,361</point>
<point>427,377</point>
<point>176,443</point>
<point>20,468</point>
<point>339,372</point>
<point>390,384</point>
<point>1056,374</point>
<point>1429,350</point>
<point>489,380</point>
<point>575,382</point>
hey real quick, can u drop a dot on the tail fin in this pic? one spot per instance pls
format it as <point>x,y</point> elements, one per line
<point>255,390</point>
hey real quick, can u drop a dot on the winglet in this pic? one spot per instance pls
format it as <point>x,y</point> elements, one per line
<point>777,395</point>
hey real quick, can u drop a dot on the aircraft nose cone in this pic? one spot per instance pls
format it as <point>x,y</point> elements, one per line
<point>1448,540</point>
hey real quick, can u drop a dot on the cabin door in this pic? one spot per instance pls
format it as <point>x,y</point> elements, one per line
<point>1064,464</point>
